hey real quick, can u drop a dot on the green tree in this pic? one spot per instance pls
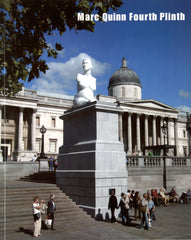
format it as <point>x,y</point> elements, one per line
<point>24,25</point>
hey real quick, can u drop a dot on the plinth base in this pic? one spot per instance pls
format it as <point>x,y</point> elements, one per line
<point>43,164</point>
<point>92,161</point>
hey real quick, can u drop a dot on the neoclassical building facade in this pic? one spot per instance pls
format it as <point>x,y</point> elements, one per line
<point>22,117</point>
<point>140,123</point>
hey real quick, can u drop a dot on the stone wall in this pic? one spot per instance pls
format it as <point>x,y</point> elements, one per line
<point>11,171</point>
<point>146,173</point>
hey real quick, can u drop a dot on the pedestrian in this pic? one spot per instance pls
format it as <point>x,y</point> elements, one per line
<point>51,163</point>
<point>151,207</point>
<point>51,209</point>
<point>113,205</point>
<point>129,193</point>
<point>55,163</point>
<point>145,211</point>
<point>163,196</point>
<point>174,195</point>
<point>37,216</point>
<point>34,158</point>
<point>9,158</point>
<point>126,209</point>
<point>136,202</point>
<point>122,206</point>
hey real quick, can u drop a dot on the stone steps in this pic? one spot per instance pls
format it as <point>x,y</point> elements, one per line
<point>46,177</point>
<point>59,216</point>
<point>16,202</point>
<point>62,209</point>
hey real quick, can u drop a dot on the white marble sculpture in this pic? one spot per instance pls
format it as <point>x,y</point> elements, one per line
<point>86,85</point>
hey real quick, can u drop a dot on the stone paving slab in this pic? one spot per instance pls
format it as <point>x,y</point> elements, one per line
<point>173,222</point>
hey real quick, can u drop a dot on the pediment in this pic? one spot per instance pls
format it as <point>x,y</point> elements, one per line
<point>152,104</point>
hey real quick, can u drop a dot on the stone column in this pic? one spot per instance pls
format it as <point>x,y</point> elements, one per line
<point>138,133</point>
<point>154,131</point>
<point>20,130</point>
<point>168,132</point>
<point>129,133</point>
<point>146,131</point>
<point>161,133</point>
<point>175,135</point>
<point>1,157</point>
<point>121,127</point>
<point>33,129</point>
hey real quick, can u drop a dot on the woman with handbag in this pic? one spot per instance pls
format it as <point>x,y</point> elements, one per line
<point>144,209</point>
<point>37,216</point>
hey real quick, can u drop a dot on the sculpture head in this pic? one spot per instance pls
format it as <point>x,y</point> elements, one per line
<point>86,64</point>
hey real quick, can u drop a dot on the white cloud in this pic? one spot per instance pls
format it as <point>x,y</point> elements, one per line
<point>61,76</point>
<point>184,93</point>
<point>184,108</point>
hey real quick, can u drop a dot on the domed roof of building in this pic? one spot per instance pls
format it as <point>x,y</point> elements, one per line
<point>124,76</point>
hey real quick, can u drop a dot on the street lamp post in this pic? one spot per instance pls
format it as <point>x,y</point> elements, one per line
<point>42,131</point>
<point>164,131</point>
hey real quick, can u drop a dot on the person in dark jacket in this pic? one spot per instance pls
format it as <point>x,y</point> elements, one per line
<point>122,206</point>
<point>113,205</point>
<point>136,202</point>
<point>51,209</point>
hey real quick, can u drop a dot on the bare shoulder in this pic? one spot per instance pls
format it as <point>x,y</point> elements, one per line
<point>79,75</point>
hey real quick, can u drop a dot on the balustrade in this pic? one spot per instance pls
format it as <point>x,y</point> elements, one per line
<point>152,161</point>
<point>179,161</point>
<point>157,161</point>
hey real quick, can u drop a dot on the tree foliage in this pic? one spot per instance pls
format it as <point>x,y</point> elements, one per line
<point>24,25</point>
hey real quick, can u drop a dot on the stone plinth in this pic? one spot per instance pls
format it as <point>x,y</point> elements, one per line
<point>92,159</point>
<point>43,164</point>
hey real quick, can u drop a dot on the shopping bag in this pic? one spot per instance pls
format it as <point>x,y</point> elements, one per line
<point>48,222</point>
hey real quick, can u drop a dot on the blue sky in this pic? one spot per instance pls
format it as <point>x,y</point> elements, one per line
<point>158,51</point>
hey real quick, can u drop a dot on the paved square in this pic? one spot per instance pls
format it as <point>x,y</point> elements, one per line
<point>173,222</point>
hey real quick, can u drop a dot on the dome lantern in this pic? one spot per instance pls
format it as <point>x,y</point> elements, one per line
<point>124,62</point>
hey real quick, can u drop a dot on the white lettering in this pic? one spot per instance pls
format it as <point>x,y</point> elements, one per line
<point>96,17</point>
<point>143,17</point>
<point>113,17</point>
<point>163,16</point>
<point>104,17</point>
<point>167,16</point>
<point>80,17</point>
<point>87,17</point>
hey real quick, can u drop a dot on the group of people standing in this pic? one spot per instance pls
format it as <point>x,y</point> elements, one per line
<point>38,209</point>
<point>144,208</point>
<point>52,164</point>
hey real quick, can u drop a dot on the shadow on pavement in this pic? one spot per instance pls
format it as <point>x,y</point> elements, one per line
<point>26,231</point>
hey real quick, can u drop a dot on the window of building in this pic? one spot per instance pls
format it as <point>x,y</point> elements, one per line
<point>38,121</point>
<point>110,92</point>
<point>37,147</point>
<point>123,91</point>
<point>184,133</point>
<point>53,122</point>
<point>53,145</point>
<point>185,150</point>
<point>24,144</point>
<point>135,93</point>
